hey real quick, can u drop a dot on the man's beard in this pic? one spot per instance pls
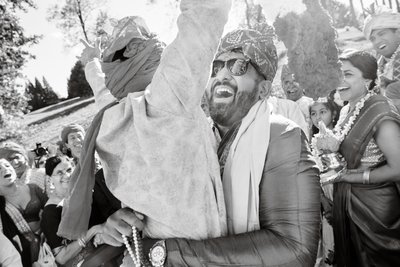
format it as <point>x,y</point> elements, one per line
<point>227,114</point>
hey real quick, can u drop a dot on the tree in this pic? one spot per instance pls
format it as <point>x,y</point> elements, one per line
<point>13,56</point>
<point>353,21</point>
<point>76,19</point>
<point>50,96</point>
<point>39,95</point>
<point>339,12</point>
<point>254,14</point>
<point>77,84</point>
<point>312,52</point>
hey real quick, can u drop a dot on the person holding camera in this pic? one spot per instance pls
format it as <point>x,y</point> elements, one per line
<point>40,154</point>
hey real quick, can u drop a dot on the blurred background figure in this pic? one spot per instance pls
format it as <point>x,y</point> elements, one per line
<point>19,159</point>
<point>71,142</point>
<point>295,93</point>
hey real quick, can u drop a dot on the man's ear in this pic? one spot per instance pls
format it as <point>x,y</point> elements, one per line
<point>264,89</point>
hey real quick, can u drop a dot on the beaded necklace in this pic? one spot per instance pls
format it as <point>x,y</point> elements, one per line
<point>137,256</point>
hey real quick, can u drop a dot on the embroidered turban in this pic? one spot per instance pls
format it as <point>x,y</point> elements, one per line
<point>72,128</point>
<point>137,62</point>
<point>382,19</point>
<point>10,148</point>
<point>258,48</point>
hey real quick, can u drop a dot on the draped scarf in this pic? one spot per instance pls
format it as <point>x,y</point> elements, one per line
<point>243,169</point>
<point>19,221</point>
<point>375,110</point>
<point>122,78</point>
<point>135,73</point>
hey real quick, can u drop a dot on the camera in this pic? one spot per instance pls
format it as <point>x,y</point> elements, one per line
<point>40,151</point>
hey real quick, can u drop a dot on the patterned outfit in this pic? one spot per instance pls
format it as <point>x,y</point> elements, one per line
<point>367,216</point>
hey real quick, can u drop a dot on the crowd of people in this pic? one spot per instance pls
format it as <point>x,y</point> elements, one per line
<point>254,180</point>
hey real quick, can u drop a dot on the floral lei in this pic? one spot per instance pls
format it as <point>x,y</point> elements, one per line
<point>338,132</point>
<point>341,134</point>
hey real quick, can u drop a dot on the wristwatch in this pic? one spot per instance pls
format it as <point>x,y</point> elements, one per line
<point>158,254</point>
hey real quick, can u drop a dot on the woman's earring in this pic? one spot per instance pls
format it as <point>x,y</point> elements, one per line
<point>367,84</point>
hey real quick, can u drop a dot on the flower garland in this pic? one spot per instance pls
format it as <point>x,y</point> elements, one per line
<point>338,134</point>
<point>341,134</point>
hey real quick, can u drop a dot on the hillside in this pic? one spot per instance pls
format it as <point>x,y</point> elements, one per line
<point>45,125</point>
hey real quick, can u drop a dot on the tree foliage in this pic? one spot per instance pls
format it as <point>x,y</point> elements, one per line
<point>39,95</point>
<point>312,52</point>
<point>77,84</point>
<point>13,56</point>
<point>78,19</point>
<point>339,12</point>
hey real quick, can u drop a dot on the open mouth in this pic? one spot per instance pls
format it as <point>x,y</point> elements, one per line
<point>382,46</point>
<point>343,88</point>
<point>65,180</point>
<point>7,176</point>
<point>223,94</point>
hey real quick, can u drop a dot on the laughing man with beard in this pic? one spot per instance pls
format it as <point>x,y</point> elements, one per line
<point>270,181</point>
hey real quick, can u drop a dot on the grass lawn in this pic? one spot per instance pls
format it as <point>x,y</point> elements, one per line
<point>48,132</point>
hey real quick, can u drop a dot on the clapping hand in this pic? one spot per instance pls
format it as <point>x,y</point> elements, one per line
<point>90,52</point>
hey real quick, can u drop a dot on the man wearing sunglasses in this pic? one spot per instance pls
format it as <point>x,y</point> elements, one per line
<point>270,181</point>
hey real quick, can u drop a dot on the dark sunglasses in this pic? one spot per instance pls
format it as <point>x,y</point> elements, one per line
<point>236,66</point>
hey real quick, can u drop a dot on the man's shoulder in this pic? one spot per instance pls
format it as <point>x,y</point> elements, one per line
<point>305,99</point>
<point>282,126</point>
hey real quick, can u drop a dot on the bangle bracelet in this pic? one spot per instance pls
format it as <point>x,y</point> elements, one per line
<point>365,176</point>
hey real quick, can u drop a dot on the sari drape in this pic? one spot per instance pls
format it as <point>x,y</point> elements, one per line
<point>367,217</point>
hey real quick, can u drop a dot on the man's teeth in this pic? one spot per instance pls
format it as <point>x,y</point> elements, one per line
<point>382,46</point>
<point>343,88</point>
<point>224,91</point>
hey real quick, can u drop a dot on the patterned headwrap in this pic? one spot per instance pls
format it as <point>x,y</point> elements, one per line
<point>143,53</point>
<point>258,47</point>
<point>382,18</point>
<point>71,128</point>
<point>10,148</point>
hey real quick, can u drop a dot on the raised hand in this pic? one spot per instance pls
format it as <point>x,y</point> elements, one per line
<point>90,51</point>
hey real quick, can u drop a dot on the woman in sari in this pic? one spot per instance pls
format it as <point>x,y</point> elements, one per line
<point>366,209</point>
<point>20,206</point>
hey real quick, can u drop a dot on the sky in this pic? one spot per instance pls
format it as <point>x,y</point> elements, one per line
<point>54,61</point>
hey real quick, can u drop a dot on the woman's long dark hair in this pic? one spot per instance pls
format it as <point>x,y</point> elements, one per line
<point>363,61</point>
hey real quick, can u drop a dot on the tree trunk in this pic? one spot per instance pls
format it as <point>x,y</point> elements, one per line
<point>353,15</point>
<point>383,2</point>
<point>362,7</point>
<point>80,16</point>
<point>390,4</point>
<point>398,6</point>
